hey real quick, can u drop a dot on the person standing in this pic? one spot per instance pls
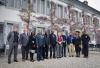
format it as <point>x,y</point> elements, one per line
<point>77,43</point>
<point>85,44</point>
<point>32,45</point>
<point>53,42</point>
<point>13,40</point>
<point>70,42</point>
<point>64,39</point>
<point>40,42</point>
<point>46,37</point>
<point>59,46</point>
<point>24,40</point>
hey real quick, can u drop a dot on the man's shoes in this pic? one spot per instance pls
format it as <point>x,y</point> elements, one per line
<point>85,56</point>
<point>15,60</point>
<point>9,62</point>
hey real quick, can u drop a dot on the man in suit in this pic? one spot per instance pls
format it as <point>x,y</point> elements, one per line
<point>53,42</point>
<point>46,36</point>
<point>13,43</point>
<point>24,39</point>
<point>40,42</point>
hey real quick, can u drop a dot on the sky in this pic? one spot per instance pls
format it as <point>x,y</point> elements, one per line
<point>94,3</point>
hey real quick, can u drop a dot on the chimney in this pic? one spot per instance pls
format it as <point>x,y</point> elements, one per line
<point>85,2</point>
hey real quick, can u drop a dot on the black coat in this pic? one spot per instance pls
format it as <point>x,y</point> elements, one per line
<point>32,42</point>
<point>85,43</point>
<point>85,39</point>
<point>77,41</point>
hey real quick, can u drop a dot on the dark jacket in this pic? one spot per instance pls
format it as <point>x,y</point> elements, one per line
<point>40,40</point>
<point>24,39</point>
<point>77,41</point>
<point>11,38</point>
<point>53,39</point>
<point>64,39</point>
<point>85,39</point>
<point>32,42</point>
<point>47,40</point>
<point>70,39</point>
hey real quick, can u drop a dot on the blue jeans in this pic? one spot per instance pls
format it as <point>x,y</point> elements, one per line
<point>40,53</point>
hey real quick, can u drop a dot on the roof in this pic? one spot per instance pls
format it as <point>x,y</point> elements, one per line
<point>81,6</point>
<point>88,8</point>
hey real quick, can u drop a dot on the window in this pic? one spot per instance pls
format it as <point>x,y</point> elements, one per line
<point>18,4</point>
<point>10,3</point>
<point>34,6</point>
<point>43,6</point>
<point>24,4</point>
<point>75,16</point>
<point>2,2</point>
<point>48,8</point>
<point>88,20</point>
<point>14,3</point>
<point>65,12</point>
<point>60,11</point>
<point>38,6</point>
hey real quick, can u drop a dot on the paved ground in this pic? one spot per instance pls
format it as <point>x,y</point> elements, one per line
<point>69,62</point>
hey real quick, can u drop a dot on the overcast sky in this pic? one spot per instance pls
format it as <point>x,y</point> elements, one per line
<point>94,3</point>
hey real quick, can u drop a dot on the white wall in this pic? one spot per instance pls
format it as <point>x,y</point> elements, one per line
<point>9,15</point>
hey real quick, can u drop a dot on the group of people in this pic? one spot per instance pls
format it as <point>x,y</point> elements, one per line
<point>43,43</point>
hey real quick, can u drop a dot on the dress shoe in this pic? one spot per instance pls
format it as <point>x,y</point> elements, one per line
<point>15,60</point>
<point>9,62</point>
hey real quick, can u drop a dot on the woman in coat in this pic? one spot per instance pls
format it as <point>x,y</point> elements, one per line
<point>85,44</point>
<point>32,45</point>
<point>77,43</point>
<point>59,46</point>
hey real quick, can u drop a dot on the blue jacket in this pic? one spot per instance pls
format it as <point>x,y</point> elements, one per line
<point>70,39</point>
<point>64,38</point>
<point>40,41</point>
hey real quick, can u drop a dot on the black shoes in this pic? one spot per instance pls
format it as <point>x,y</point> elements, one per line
<point>15,60</point>
<point>9,62</point>
<point>32,60</point>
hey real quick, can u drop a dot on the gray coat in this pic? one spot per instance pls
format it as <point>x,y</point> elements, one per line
<point>10,38</point>
<point>24,39</point>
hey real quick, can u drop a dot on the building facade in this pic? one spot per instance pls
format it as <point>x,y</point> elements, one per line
<point>69,15</point>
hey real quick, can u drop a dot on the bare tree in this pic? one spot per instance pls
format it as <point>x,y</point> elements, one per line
<point>25,14</point>
<point>52,15</point>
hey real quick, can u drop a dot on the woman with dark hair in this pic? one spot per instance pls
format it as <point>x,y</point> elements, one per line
<point>77,43</point>
<point>32,45</point>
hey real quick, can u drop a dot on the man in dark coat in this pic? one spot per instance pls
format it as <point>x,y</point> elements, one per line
<point>13,40</point>
<point>85,43</point>
<point>24,39</point>
<point>40,42</point>
<point>77,43</point>
<point>46,37</point>
<point>53,42</point>
<point>64,39</point>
